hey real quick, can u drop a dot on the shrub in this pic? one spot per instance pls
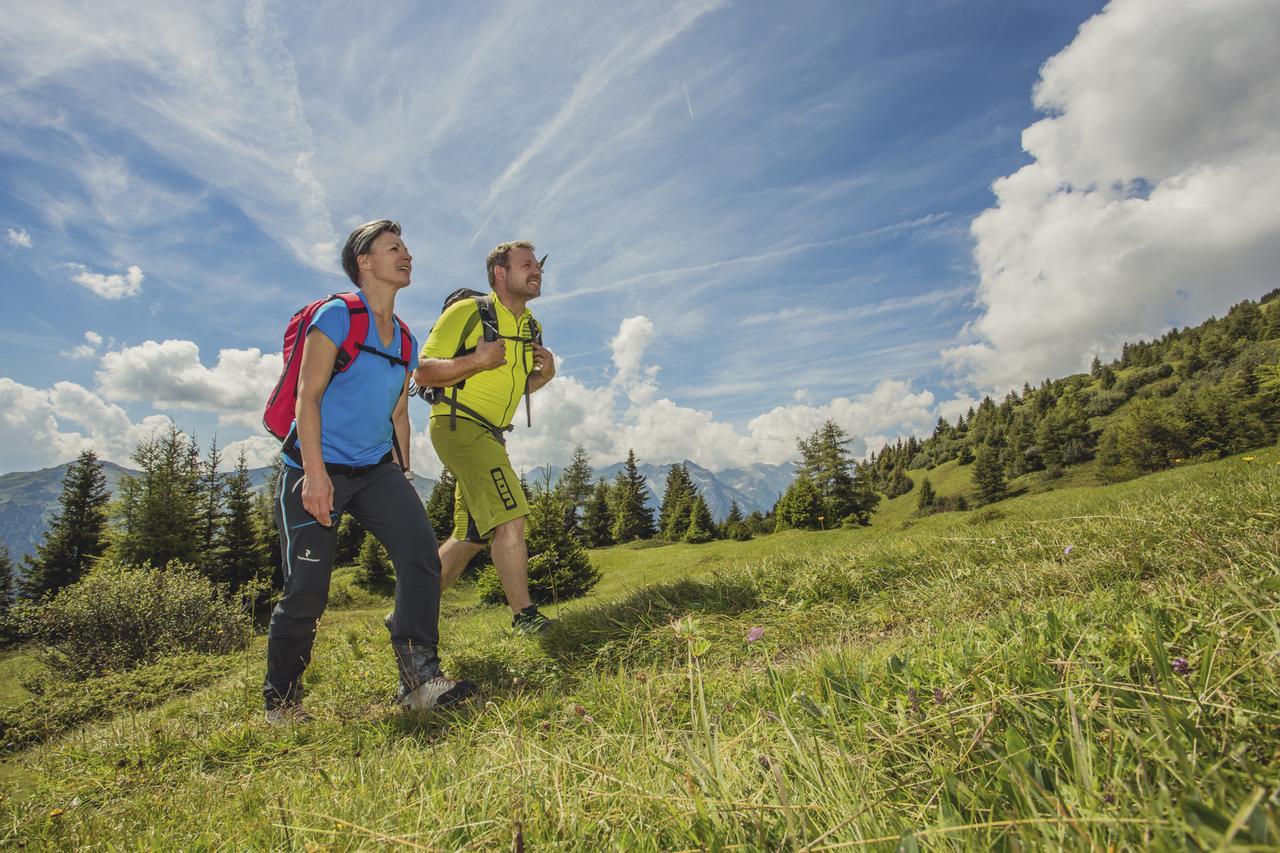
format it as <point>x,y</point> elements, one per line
<point>1104,403</point>
<point>119,617</point>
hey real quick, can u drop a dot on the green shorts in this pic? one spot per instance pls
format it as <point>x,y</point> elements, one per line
<point>488,492</point>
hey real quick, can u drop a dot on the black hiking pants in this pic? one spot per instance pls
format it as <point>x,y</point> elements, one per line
<point>384,502</point>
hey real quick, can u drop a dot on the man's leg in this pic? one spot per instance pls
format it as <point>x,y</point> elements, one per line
<point>454,556</point>
<point>306,552</point>
<point>511,559</point>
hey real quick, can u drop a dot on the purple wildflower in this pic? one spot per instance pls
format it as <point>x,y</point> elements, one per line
<point>914,698</point>
<point>1180,666</point>
<point>1066,552</point>
<point>755,634</point>
<point>938,696</point>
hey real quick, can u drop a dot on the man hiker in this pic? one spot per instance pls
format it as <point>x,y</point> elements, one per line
<point>348,451</point>
<point>485,357</point>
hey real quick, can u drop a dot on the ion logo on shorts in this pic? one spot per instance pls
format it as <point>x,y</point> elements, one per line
<point>504,491</point>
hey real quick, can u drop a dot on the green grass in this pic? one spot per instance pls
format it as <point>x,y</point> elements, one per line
<point>1091,667</point>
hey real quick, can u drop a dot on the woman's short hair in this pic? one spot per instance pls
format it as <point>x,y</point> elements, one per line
<point>360,241</point>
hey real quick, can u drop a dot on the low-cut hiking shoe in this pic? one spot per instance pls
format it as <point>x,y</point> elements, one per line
<point>438,692</point>
<point>287,714</point>
<point>531,622</point>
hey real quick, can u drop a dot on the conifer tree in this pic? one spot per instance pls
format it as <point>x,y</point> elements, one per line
<point>76,534</point>
<point>7,588</point>
<point>440,505</point>
<point>350,538</point>
<point>264,517</point>
<point>238,546</point>
<point>597,518</point>
<point>800,505</point>
<point>559,567</point>
<point>927,497</point>
<point>632,518</point>
<point>574,486</point>
<point>210,498</point>
<point>988,475</point>
<point>373,568</point>
<point>701,527</point>
<point>673,516</point>
<point>735,525</point>
<point>159,504</point>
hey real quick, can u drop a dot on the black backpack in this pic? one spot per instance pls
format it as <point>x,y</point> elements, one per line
<point>487,317</point>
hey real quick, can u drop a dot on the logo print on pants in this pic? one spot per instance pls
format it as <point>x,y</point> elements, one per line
<point>504,491</point>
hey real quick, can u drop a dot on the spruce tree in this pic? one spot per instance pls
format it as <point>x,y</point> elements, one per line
<point>632,518</point>
<point>800,505</point>
<point>159,504</point>
<point>927,497</point>
<point>597,518</point>
<point>988,475</point>
<point>701,527</point>
<point>373,568</point>
<point>559,567</point>
<point>210,500</point>
<point>673,515</point>
<point>76,534</point>
<point>828,464</point>
<point>440,505</point>
<point>264,517</point>
<point>6,584</point>
<point>238,546</point>
<point>574,486</point>
<point>350,537</point>
<point>735,525</point>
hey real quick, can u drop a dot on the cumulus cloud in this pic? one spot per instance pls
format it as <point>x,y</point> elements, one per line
<point>259,451</point>
<point>611,419</point>
<point>1151,197</point>
<point>169,374</point>
<point>38,426</point>
<point>19,237</point>
<point>87,349</point>
<point>114,286</point>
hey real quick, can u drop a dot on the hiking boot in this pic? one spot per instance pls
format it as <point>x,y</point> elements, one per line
<point>438,692</point>
<point>287,714</point>
<point>530,622</point>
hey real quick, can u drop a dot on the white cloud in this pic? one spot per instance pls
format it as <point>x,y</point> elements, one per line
<point>19,237</point>
<point>259,451</point>
<point>36,426</point>
<point>628,348</point>
<point>169,374</point>
<point>86,350</point>
<point>1151,198</point>
<point>611,419</point>
<point>114,286</point>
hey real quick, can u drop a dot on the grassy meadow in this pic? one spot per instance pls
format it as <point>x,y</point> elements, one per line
<point>1084,667</point>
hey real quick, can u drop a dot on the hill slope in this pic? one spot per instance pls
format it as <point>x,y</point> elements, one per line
<point>1094,669</point>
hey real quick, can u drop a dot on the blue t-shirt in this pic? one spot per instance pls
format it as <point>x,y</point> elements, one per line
<point>355,411</point>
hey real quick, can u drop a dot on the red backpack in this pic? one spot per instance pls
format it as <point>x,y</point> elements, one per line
<point>279,413</point>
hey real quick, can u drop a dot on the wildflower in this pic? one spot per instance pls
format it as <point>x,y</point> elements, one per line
<point>1180,666</point>
<point>1066,552</point>
<point>587,718</point>
<point>1248,458</point>
<point>1109,799</point>
<point>755,634</point>
<point>1177,461</point>
<point>938,696</point>
<point>56,813</point>
<point>914,698</point>
<point>579,710</point>
<point>517,682</point>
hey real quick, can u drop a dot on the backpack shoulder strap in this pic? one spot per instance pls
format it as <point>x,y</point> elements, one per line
<point>406,344</point>
<point>487,315</point>
<point>357,330</point>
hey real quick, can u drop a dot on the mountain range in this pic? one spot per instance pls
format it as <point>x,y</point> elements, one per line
<point>28,499</point>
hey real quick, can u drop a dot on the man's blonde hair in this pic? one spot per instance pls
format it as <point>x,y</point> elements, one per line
<point>500,256</point>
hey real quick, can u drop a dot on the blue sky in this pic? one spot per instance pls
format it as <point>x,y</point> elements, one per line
<point>756,218</point>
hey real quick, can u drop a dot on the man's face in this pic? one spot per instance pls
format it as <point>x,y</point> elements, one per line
<point>524,276</point>
<point>388,260</point>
